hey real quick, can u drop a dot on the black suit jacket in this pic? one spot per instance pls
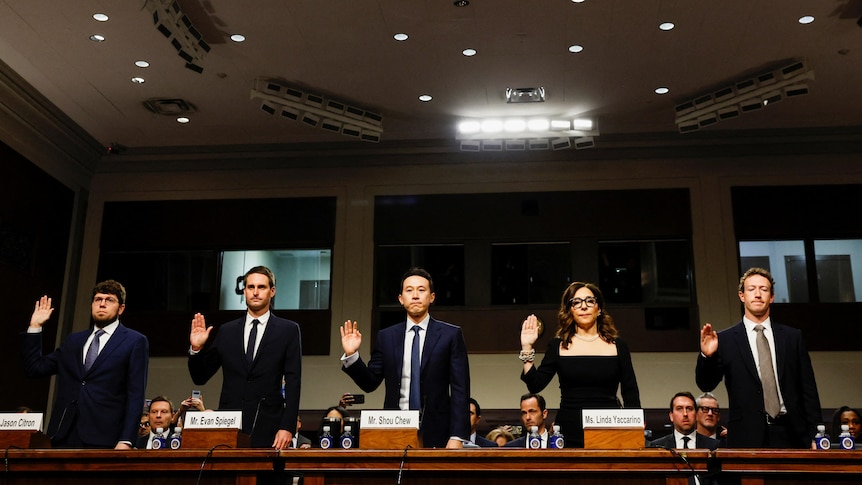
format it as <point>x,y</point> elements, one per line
<point>483,442</point>
<point>102,405</point>
<point>669,441</point>
<point>256,390</point>
<point>734,362</point>
<point>444,372</point>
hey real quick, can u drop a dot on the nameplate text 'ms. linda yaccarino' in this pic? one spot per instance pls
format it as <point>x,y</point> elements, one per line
<point>613,418</point>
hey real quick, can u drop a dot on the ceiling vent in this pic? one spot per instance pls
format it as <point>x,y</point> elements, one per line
<point>169,107</point>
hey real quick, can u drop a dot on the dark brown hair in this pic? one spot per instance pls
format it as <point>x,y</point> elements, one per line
<point>606,328</point>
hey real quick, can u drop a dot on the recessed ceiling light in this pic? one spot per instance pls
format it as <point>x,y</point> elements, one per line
<point>400,37</point>
<point>142,63</point>
<point>461,3</point>
<point>425,98</point>
<point>97,38</point>
<point>806,19</point>
<point>100,17</point>
<point>237,38</point>
<point>666,26</point>
<point>575,48</point>
<point>183,120</point>
<point>662,90</point>
<point>138,80</point>
<point>469,52</point>
<point>577,1</point>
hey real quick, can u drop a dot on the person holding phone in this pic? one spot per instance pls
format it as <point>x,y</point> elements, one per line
<point>195,402</point>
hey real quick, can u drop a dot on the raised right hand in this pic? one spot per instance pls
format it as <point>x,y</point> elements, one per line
<point>351,339</point>
<point>42,312</point>
<point>200,332</point>
<point>529,332</point>
<point>708,340</point>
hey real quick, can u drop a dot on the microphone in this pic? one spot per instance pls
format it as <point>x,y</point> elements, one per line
<point>401,467</point>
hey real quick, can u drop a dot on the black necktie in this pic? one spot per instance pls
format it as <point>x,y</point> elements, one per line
<point>685,440</point>
<point>93,350</point>
<point>252,337</point>
<point>415,399</point>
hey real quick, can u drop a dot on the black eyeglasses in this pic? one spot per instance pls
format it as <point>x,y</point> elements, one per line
<point>145,424</point>
<point>577,302</point>
<point>707,410</point>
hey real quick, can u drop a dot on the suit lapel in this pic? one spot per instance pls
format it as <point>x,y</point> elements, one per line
<point>778,339</point>
<point>113,343</point>
<point>741,341</point>
<point>431,340</point>
<point>397,345</point>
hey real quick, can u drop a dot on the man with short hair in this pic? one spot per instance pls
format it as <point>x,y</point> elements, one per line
<point>533,413</point>
<point>160,415</point>
<point>767,371</point>
<point>101,374</point>
<point>684,435</point>
<point>475,417</point>
<point>423,362</point>
<point>708,415</point>
<point>260,356</point>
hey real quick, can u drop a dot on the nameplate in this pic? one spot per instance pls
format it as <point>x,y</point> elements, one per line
<point>613,418</point>
<point>370,419</point>
<point>213,419</point>
<point>20,421</point>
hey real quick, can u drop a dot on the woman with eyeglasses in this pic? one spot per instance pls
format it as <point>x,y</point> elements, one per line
<point>592,363</point>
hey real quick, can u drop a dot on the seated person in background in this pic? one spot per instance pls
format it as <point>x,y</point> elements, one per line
<point>144,430</point>
<point>850,417</point>
<point>685,435</point>
<point>475,417</point>
<point>533,413</point>
<point>23,409</point>
<point>160,415</point>
<point>337,413</point>
<point>708,415</point>
<point>299,441</point>
<point>500,436</point>
<point>191,403</point>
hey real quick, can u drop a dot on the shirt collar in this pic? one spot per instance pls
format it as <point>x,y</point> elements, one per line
<point>262,319</point>
<point>109,328</point>
<point>749,325</point>
<point>423,323</point>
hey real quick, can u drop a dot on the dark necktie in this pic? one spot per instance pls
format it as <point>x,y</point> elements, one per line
<point>415,399</point>
<point>93,351</point>
<point>252,337</point>
<point>767,374</point>
<point>685,440</point>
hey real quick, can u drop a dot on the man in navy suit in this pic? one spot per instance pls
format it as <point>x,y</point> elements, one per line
<point>733,354</point>
<point>475,417</point>
<point>101,374</point>
<point>443,375</point>
<point>256,353</point>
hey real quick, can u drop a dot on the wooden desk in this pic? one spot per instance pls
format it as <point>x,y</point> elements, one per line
<point>424,467</point>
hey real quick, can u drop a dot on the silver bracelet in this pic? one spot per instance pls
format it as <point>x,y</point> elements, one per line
<point>527,355</point>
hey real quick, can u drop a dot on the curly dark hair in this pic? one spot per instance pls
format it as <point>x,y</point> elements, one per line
<point>606,328</point>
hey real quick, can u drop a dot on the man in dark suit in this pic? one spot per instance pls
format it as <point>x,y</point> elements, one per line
<point>257,353</point>
<point>534,412</point>
<point>475,417</point>
<point>683,418</point>
<point>771,405</point>
<point>708,416</point>
<point>101,374</point>
<point>440,385</point>
<point>160,415</point>
<point>299,441</point>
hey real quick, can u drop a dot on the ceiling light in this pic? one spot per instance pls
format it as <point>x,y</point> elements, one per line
<point>183,120</point>
<point>666,26</point>
<point>100,17</point>
<point>662,90</point>
<point>425,98</point>
<point>461,3</point>
<point>138,80</point>
<point>575,48</point>
<point>142,63</point>
<point>400,37</point>
<point>469,127</point>
<point>170,21</point>
<point>538,124</point>
<point>97,38</point>
<point>237,38</point>
<point>492,126</point>
<point>582,124</point>
<point>525,95</point>
<point>806,19</point>
<point>560,125</point>
<point>469,52</point>
<point>577,1</point>
<point>514,125</point>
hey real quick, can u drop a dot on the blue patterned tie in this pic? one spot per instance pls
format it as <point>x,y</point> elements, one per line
<point>415,399</point>
<point>252,337</point>
<point>93,351</point>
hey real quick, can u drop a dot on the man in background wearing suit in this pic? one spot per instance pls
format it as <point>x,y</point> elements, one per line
<point>160,415</point>
<point>256,353</point>
<point>534,412</point>
<point>475,417</point>
<point>767,371</point>
<point>439,386</point>
<point>101,374</point>
<point>684,435</point>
